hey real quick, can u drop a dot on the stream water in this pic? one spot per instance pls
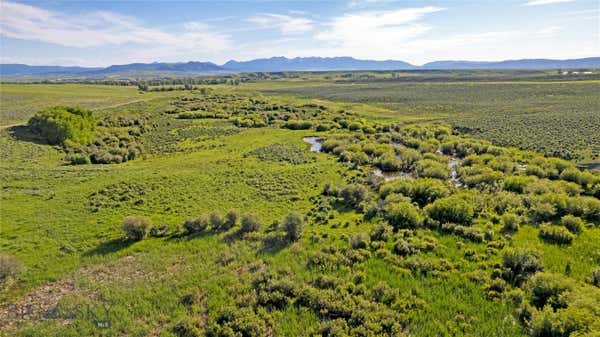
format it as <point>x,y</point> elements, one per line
<point>315,143</point>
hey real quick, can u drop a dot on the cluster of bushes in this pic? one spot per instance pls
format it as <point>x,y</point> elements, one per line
<point>298,124</point>
<point>60,124</point>
<point>203,114</point>
<point>352,194</point>
<point>110,149</point>
<point>250,121</point>
<point>549,304</point>
<point>423,191</point>
<point>553,206</point>
<point>344,306</point>
<point>291,227</point>
<point>219,222</point>
<point>457,208</point>
<point>76,130</point>
<point>556,234</point>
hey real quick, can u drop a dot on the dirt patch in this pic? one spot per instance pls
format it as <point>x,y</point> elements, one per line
<point>44,302</point>
<point>34,305</point>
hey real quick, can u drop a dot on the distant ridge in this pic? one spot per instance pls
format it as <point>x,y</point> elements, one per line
<point>315,64</point>
<point>24,69</point>
<point>274,64</point>
<point>191,67</point>
<point>590,62</point>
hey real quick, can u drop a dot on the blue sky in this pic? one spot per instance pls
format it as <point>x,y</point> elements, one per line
<point>100,33</point>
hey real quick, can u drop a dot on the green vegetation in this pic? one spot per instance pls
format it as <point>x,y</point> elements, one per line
<point>58,125</point>
<point>224,223</point>
<point>555,117</point>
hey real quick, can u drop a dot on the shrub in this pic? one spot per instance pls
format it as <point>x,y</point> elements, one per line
<point>381,232</point>
<point>242,321</point>
<point>216,219</point>
<point>428,190</point>
<point>293,225</point>
<point>571,174</point>
<point>548,289</point>
<point>572,223</point>
<point>404,248</point>
<point>353,194</point>
<point>298,125</point>
<point>519,265</point>
<point>518,183</point>
<point>196,225</point>
<point>359,241</point>
<point>136,227</point>
<point>402,186</point>
<point>383,293</point>
<point>571,321</point>
<point>188,327</point>
<point>510,222</point>
<point>231,219</point>
<point>389,162</point>
<point>542,211</point>
<point>556,234</point>
<point>250,223</point>
<point>403,215</point>
<point>59,124</point>
<point>10,267</point>
<point>453,209</point>
<point>159,231</point>
<point>79,159</point>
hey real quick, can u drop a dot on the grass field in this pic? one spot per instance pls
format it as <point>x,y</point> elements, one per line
<point>21,101</point>
<point>557,118</point>
<point>375,258</point>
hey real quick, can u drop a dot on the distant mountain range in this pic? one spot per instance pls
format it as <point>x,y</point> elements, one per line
<point>315,64</point>
<point>293,64</point>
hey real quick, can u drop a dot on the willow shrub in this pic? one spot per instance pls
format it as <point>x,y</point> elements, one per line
<point>59,124</point>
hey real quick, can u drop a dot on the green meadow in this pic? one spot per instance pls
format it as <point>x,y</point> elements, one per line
<point>204,212</point>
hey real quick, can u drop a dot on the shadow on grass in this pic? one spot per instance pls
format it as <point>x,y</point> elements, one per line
<point>23,133</point>
<point>273,244</point>
<point>233,235</point>
<point>189,236</point>
<point>109,247</point>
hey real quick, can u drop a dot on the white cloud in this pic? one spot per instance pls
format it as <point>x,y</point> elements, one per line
<point>287,25</point>
<point>101,28</point>
<point>544,2</point>
<point>375,30</point>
